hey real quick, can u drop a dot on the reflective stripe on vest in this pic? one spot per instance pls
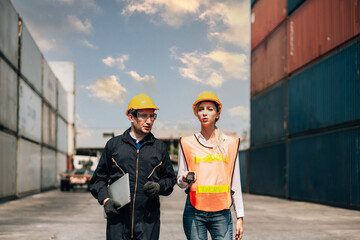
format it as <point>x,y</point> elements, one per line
<point>211,191</point>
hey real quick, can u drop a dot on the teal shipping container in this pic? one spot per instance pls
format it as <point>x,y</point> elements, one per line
<point>268,115</point>
<point>267,170</point>
<point>326,168</point>
<point>243,162</point>
<point>292,5</point>
<point>327,93</point>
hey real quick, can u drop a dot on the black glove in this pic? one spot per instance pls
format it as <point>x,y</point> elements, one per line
<point>151,189</point>
<point>112,208</point>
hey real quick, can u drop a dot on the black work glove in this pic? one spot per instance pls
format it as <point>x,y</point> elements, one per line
<point>112,208</point>
<point>151,189</point>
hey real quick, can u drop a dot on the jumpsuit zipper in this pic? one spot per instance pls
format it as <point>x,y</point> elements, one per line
<point>136,179</point>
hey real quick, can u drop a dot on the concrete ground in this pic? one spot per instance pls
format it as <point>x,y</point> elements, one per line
<point>76,215</point>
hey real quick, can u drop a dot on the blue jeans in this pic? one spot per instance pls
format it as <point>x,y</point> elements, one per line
<point>196,223</point>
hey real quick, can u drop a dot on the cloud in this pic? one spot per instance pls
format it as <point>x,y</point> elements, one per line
<point>172,12</point>
<point>118,62</point>
<point>46,45</point>
<point>86,43</point>
<point>83,4</point>
<point>138,78</point>
<point>108,89</point>
<point>229,22</point>
<point>77,25</point>
<point>241,111</point>
<point>212,68</point>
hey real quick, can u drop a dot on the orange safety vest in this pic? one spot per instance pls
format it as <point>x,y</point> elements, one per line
<point>211,191</point>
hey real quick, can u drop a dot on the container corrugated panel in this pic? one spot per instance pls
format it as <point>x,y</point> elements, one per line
<point>267,170</point>
<point>268,115</point>
<point>31,59</point>
<point>325,168</point>
<point>29,113</point>
<point>8,96</point>
<point>65,72</point>
<point>28,167</point>
<point>49,84</point>
<point>62,140</point>
<point>7,165</point>
<point>319,26</point>
<point>61,165</point>
<point>293,4</point>
<point>243,169</point>
<point>48,168</point>
<point>62,101</point>
<point>327,93</point>
<point>49,126</point>
<point>71,107</point>
<point>71,139</point>
<point>268,61</point>
<point>265,17</point>
<point>9,43</point>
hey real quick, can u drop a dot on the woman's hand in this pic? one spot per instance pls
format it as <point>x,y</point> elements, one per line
<point>239,229</point>
<point>185,175</point>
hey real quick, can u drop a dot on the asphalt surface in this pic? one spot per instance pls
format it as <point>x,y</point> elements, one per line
<point>77,215</point>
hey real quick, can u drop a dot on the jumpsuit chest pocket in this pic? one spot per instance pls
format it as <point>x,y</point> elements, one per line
<point>154,170</point>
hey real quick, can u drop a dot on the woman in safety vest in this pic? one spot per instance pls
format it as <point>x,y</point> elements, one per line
<point>209,170</point>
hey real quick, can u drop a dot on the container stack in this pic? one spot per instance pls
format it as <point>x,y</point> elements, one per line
<point>305,101</point>
<point>32,150</point>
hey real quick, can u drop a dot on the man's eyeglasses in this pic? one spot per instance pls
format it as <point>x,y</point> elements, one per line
<point>145,116</point>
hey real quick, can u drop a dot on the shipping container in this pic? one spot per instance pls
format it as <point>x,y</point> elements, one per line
<point>62,105</point>
<point>48,168</point>
<point>267,170</point>
<point>48,126</point>
<point>8,96</point>
<point>28,167</point>
<point>7,165</point>
<point>65,73</point>
<point>62,139</point>
<point>31,59</point>
<point>71,139</point>
<point>292,5</point>
<point>253,3</point>
<point>61,166</point>
<point>326,168</point>
<point>29,113</point>
<point>71,107</point>
<point>326,93</point>
<point>268,115</point>
<point>9,43</point>
<point>49,84</point>
<point>243,161</point>
<point>265,17</point>
<point>319,26</point>
<point>268,61</point>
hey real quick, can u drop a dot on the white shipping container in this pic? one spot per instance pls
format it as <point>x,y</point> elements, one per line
<point>48,168</point>
<point>61,166</point>
<point>62,139</point>
<point>8,96</point>
<point>71,139</point>
<point>7,165</point>
<point>71,107</point>
<point>28,167</point>
<point>65,72</point>
<point>62,101</point>
<point>49,84</point>
<point>48,126</point>
<point>29,113</point>
<point>31,59</point>
<point>9,43</point>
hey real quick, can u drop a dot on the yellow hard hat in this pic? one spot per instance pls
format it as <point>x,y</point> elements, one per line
<point>207,96</point>
<point>141,101</point>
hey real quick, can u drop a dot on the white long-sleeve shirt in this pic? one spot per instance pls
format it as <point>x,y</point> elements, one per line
<point>236,182</point>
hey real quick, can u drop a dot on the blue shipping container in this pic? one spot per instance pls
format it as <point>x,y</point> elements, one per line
<point>293,4</point>
<point>327,93</point>
<point>243,156</point>
<point>325,168</point>
<point>268,115</point>
<point>267,170</point>
<point>253,3</point>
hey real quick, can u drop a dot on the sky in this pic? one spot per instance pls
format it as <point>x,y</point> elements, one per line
<point>171,50</point>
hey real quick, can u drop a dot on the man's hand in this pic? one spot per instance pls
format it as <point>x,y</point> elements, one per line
<point>112,208</point>
<point>239,229</point>
<point>151,189</point>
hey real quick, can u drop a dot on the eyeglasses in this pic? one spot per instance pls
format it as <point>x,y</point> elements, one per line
<point>145,116</point>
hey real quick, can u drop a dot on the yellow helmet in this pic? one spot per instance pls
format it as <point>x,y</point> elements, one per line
<point>207,96</point>
<point>141,101</point>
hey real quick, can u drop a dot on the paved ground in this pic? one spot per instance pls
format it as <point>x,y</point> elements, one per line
<point>76,215</point>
